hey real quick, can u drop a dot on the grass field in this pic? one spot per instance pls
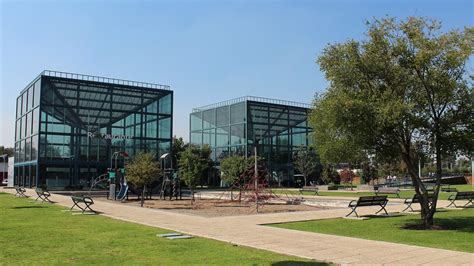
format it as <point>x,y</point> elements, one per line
<point>32,234</point>
<point>459,237</point>
<point>403,193</point>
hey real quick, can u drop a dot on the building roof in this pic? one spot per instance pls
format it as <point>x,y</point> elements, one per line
<point>254,99</point>
<point>60,74</point>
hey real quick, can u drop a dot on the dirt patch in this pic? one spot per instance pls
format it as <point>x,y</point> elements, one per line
<point>219,208</point>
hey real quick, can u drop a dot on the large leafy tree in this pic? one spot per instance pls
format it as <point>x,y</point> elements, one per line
<point>193,163</point>
<point>232,168</point>
<point>143,171</point>
<point>177,148</point>
<point>401,92</point>
<point>307,162</point>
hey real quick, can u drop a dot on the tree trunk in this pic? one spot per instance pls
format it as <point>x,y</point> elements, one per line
<point>192,194</point>
<point>143,197</point>
<point>427,213</point>
<point>304,177</point>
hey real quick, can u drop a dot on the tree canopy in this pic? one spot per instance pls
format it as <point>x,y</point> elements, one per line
<point>194,161</point>
<point>142,171</point>
<point>400,93</point>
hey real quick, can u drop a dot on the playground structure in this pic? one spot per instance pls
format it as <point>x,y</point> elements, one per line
<point>171,184</point>
<point>252,188</point>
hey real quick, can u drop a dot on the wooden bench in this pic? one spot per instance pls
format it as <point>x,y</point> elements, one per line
<point>20,192</point>
<point>82,200</point>
<point>461,195</point>
<point>387,190</point>
<point>310,189</point>
<point>43,194</point>
<point>367,201</point>
<point>416,199</point>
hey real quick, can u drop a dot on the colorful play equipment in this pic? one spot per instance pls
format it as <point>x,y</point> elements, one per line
<point>117,174</point>
<point>171,184</point>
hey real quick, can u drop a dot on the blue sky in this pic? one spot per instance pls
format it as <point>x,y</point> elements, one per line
<point>207,51</point>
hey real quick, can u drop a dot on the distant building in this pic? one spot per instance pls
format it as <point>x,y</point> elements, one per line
<point>3,167</point>
<point>235,127</point>
<point>69,125</point>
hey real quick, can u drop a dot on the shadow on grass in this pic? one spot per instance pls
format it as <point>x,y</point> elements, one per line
<point>28,207</point>
<point>390,215</point>
<point>462,224</point>
<point>285,263</point>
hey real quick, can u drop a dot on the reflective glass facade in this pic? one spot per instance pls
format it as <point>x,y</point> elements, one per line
<point>69,125</point>
<point>237,126</point>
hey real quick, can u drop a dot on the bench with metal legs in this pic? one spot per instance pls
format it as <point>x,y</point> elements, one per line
<point>367,201</point>
<point>43,194</point>
<point>461,195</point>
<point>416,199</point>
<point>82,200</point>
<point>20,192</point>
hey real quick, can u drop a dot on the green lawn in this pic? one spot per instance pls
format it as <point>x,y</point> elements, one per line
<point>403,193</point>
<point>43,234</point>
<point>459,237</point>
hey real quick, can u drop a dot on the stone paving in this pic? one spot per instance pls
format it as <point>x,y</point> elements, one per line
<point>248,231</point>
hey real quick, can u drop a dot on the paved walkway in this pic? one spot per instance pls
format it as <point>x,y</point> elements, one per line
<point>247,231</point>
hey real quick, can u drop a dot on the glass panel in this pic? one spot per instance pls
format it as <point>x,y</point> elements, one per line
<point>237,134</point>
<point>18,107</point>
<point>33,175</point>
<point>165,104</point>
<point>298,139</point>
<point>237,150</point>
<point>164,128</point>
<point>151,129</point>
<point>221,153</point>
<point>222,116</point>
<point>222,136</point>
<point>30,97</point>
<point>34,148</point>
<point>36,98</point>
<point>24,126</point>
<point>196,121</point>
<point>209,118</point>
<point>28,124</point>
<point>196,138</point>
<point>18,130</point>
<point>164,147</point>
<point>35,121</point>
<point>206,137</point>
<point>28,149</point>
<point>237,113</point>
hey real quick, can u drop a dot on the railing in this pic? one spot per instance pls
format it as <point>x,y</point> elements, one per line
<point>251,98</point>
<point>60,74</point>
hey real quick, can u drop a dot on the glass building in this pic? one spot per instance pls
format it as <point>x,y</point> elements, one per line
<point>69,125</point>
<point>236,127</point>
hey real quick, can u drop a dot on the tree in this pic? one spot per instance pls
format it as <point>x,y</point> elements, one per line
<point>142,171</point>
<point>306,161</point>
<point>193,163</point>
<point>400,93</point>
<point>8,151</point>
<point>177,148</point>
<point>329,175</point>
<point>347,176</point>
<point>232,168</point>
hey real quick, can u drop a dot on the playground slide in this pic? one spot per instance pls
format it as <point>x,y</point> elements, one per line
<point>123,191</point>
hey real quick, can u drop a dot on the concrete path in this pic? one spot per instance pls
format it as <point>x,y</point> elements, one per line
<point>248,231</point>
